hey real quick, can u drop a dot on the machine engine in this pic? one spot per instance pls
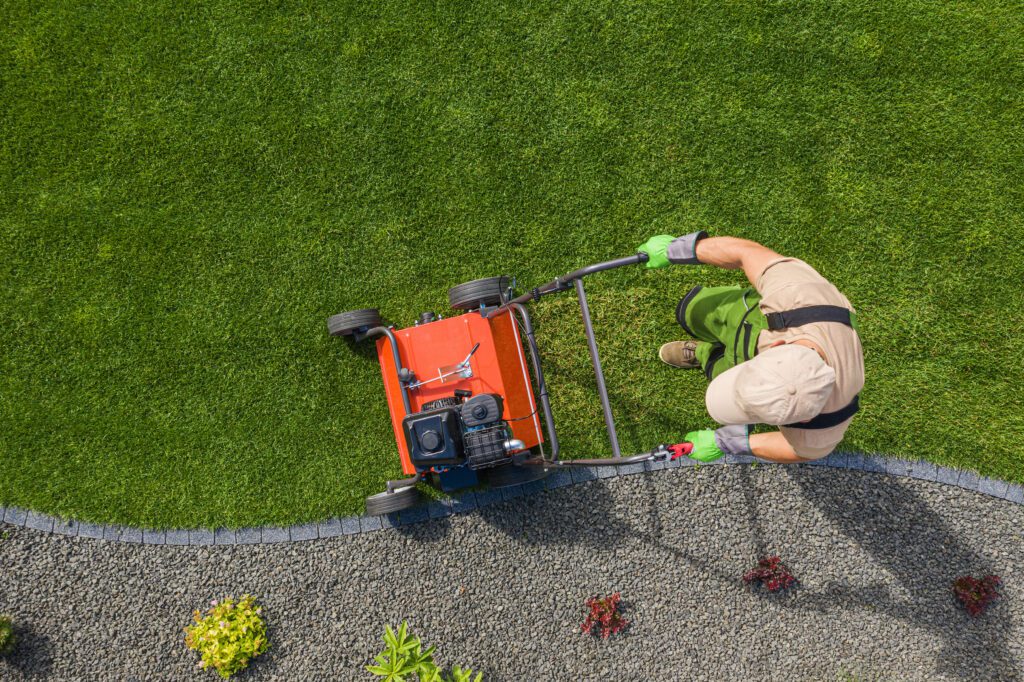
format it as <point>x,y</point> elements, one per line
<point>460,431</point>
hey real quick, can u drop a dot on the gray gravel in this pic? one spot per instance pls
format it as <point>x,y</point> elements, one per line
<point>502,588</point>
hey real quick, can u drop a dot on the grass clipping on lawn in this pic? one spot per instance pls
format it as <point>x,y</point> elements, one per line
<point>187,195</point>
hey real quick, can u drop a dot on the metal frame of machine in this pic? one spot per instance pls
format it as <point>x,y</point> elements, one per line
<point>475,418</point>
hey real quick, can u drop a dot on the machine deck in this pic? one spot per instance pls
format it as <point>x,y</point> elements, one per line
<point>498,366</point>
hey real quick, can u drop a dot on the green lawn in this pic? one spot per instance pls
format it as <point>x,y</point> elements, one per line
<point>186,194</point>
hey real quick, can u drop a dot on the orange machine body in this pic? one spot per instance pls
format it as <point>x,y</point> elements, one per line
<point>498,366</point>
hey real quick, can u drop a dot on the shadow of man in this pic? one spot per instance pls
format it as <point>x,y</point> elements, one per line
<point>891,522</point>
<point>32,657</point>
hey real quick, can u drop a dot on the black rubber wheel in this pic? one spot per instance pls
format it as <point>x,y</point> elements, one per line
<point>344,324</point>
<point>386,503</point>
<point>511,474</point>
<point>442,402</point>
<point>489,291</point>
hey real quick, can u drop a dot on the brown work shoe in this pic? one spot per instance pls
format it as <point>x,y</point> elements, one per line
<point>681,354</point>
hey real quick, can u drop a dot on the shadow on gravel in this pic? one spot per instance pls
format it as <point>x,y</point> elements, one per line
<point>435,531</point>
<point>595,521</point>
<point>915,545</point>
<point>33,657</point>
<point>592,522</point>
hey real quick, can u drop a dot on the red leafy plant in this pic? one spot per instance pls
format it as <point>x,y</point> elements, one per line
<point>977,594</point>
<point>604,617</point>
<point>771,573</point>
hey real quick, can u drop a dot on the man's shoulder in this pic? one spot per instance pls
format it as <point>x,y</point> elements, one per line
<point>788,283</point>
<point>786,270</point>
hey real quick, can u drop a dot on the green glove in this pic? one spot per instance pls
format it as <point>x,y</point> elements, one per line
<point>705,449</point>
<point>657,249</point>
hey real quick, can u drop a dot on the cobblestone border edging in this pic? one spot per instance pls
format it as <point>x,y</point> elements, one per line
<point>351,525</point>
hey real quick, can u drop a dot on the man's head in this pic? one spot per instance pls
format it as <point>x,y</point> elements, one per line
<point>785,384</point>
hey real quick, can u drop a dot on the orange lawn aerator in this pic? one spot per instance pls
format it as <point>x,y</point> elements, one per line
<point>460,393</point>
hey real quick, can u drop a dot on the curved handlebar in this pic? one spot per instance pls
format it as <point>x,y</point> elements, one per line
<point>565,281</point>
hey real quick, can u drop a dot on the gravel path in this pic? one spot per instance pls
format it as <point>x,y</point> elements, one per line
<point>502,588</point>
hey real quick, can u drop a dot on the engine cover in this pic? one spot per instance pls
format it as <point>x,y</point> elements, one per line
<point>434,437</point>
<point>481,410</point>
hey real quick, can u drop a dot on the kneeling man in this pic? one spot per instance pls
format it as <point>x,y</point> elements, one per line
<point>785,352</point>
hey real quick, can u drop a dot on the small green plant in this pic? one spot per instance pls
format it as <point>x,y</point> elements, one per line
<point>229,635</point>
<point>7,638</point>
<point>405,660</point>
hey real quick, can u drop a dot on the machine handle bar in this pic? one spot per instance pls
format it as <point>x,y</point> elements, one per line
<point>566,281</point>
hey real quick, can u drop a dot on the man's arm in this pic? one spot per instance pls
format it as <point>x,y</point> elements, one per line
<point>732,253</point>
<point>773,446</point>
<point>709,445</point>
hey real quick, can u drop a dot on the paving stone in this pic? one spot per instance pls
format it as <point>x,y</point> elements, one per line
<point>655,466</point>
<point>154,537</point>
<point>15,516</point>
<point>837,460</point>
<point>993,487</point>
<point>249,536</point>
<point>275,535</point>
<point>90,530</point>
<point>897,467</point>
<point>37,521</point>
<point>465,502</point>
<point>533,487</point>
<point>738,459</point>
<point>947,475</point>
<point>331,528</point>
<point>581,474</point>
<point>820,462</point>
<point>200,536</point>
<point>224,536</point>
<point>368,524</point>
<point>926,471</point>
<point>1015,493</point>
<point>172,537</point>
<point>968,480</point>
<point>607,471</point>
<point>305,531</point>
<point>488,497</point>
<point>511,491</point>
<point>630,469</point>
<point>389,520</point>
<point>65,527</point>
<point>350,525</point>
<point>559,478</point>
<point>438,509</point>
<point>130,535</point>
<point>855,461</point>
<point>874,463</point>
<point>415,515</point>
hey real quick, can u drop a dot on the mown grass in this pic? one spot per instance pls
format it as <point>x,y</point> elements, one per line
<point>187,192</point>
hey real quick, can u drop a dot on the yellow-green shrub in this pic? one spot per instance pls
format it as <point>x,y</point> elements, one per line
<point>7,640</point>
<point>229,635</point>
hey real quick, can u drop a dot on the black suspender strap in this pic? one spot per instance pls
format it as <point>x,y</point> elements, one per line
<point>827,420</point>
<point>814,313</point>
<point>818,313</point>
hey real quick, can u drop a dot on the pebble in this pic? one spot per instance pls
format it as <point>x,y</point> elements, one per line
<point>502,589</point>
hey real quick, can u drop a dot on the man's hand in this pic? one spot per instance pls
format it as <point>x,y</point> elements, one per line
<point>704,447</point>
<point>710,445</point>
<point>664,249</point>
<point>656,249</point>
